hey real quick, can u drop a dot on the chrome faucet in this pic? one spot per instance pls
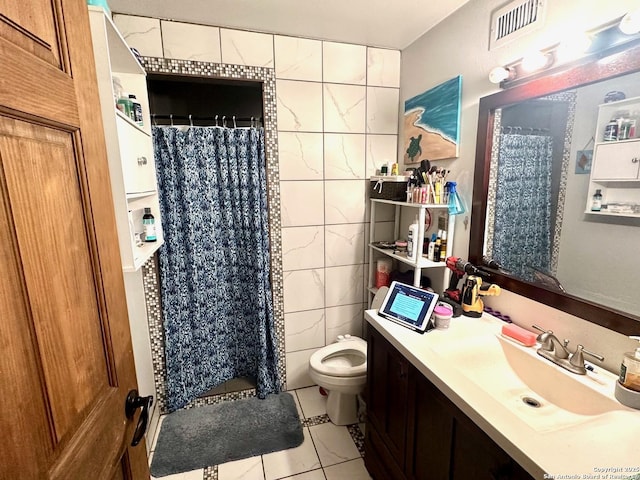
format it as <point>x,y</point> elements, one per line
<point>555,351</point>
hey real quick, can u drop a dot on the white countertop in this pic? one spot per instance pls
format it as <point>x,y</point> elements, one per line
<point>606,446</point>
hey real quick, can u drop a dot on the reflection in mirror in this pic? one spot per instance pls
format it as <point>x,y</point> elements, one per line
<point>527,184</point>
<point>533,187</point>
<point>535,143</point>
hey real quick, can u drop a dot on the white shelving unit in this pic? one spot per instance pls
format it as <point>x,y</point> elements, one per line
<point>421,261</point>
<point>129,146</point>
<point>615,168</point>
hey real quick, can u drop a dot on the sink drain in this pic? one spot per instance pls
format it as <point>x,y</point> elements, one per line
<point>531,402</point>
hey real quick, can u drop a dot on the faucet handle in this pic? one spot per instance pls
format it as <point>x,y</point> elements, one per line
<point>594,355</point>
<point>540,329</point>
<point>544,338</point>
<point>577,359</point>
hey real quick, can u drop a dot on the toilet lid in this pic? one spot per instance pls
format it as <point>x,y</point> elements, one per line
<point>341,359</point>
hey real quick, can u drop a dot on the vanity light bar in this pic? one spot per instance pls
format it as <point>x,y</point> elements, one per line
<point>609,37</point>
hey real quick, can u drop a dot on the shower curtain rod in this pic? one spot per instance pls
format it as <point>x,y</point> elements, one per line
<point>218,120</point>
<point>523,130</point>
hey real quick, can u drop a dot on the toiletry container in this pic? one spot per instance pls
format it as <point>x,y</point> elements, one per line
<point>442,317</point>
<point>628,385</point>
<point>383,272</point>
<point>456,207</point>
<point>431,247</point>
<point>596,204</point>
<point>149,223</point>
<point>630,369</point>
<point>412,238</point>
<point>136,109</point>
<point>125,105</point>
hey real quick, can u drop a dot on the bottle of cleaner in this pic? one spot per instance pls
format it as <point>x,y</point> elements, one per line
<point>456,207</point>
<point>412,239</point>
<point>149,223</point>
<point>630,369</point>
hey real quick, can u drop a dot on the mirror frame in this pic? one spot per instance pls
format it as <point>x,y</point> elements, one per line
<point>605,65</point>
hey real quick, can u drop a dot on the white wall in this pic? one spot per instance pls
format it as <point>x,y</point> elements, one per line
<point>337,121</point>
<point>459,46</point>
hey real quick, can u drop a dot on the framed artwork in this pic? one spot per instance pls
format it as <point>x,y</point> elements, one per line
<point>583,161</point>
<point>432,123</point>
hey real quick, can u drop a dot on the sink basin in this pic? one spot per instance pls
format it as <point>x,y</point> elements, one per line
<point>540,393</point>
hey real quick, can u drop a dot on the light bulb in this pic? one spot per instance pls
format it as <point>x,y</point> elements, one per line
<point>499,74</point>
<point>630,23</point>
<point>535,61</point>
<point>573,47</point>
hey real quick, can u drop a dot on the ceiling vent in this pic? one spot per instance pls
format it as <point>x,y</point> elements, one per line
<point>514,20</point>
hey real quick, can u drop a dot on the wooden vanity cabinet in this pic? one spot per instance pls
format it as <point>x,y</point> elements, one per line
<point>414,432</point>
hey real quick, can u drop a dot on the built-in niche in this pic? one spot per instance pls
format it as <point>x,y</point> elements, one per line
<point>204,90</point>
<point>203,101</point>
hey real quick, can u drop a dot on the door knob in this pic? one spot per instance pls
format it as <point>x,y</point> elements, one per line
<point>133,402</point>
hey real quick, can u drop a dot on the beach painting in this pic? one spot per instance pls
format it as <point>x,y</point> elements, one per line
<point>432,123</point>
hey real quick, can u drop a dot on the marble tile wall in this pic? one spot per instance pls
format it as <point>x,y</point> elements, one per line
<point>337,123</point>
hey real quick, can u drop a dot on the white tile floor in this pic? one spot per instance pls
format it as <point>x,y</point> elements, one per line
<point>328,452</point>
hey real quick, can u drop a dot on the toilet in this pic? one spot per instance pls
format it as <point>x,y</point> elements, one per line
<point>341,369</point>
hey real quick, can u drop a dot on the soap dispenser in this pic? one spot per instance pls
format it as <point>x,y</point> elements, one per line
<point>630,369</point>
<point>628,385</point>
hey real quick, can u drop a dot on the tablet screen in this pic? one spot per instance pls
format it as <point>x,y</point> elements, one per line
<point>409,306</point>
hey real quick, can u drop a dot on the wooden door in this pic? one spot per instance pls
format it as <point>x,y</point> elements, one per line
<point>66,361</point>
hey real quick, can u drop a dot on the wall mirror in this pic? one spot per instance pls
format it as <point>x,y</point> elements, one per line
<point>588,263</point>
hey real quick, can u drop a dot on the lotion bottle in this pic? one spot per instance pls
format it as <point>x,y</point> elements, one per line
<point>630,369</point>
<point>412,238</point>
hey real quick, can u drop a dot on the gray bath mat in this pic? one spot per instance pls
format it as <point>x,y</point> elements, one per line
<point>205,436</point>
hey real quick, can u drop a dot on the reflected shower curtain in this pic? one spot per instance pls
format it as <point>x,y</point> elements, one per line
<point>522,237</point>
<point>214,265</point>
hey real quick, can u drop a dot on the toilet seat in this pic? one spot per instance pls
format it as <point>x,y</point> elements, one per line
<point>347,358</point>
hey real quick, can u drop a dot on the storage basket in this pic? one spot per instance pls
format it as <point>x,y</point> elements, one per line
<point>389,188</point>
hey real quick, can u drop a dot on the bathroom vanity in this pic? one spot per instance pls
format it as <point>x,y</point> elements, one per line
<point>414,431</point>
<point>451,404</point>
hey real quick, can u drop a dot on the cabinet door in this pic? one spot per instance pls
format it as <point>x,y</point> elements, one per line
<point>616,161</point>
<point>388,385</point>
<point>429,441</point>
<point>475,455</point>
<point>136,155</point>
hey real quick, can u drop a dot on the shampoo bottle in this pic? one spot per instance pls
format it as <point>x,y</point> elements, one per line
<point>630,369</point>
<point>412,238</point>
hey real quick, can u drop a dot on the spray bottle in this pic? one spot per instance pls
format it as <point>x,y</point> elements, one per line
<point>456,207</point>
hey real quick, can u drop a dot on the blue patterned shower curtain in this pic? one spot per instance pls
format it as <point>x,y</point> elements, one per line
<point>214,265</point>
<point>522,237</point>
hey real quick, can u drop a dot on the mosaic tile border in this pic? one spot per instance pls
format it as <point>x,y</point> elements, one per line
<point>240,72</point>
<point>570,98</point>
